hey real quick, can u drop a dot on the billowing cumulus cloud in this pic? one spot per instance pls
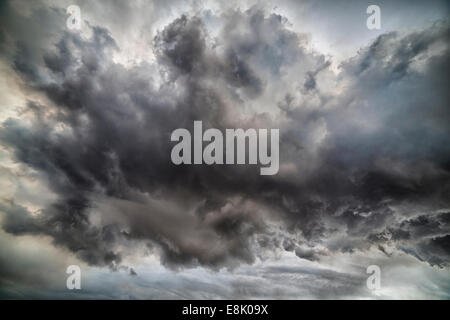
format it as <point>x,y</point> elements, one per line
<point>364,157</point>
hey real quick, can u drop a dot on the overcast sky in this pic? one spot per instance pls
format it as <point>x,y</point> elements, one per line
<point>86,177</point>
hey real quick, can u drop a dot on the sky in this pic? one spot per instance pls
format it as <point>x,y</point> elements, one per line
<point>86,178</point>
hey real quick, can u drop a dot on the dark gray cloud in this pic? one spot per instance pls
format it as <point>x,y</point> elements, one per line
<point>357,148</point>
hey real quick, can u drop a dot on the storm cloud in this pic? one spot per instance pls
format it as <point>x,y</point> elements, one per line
<point>364,149</point>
